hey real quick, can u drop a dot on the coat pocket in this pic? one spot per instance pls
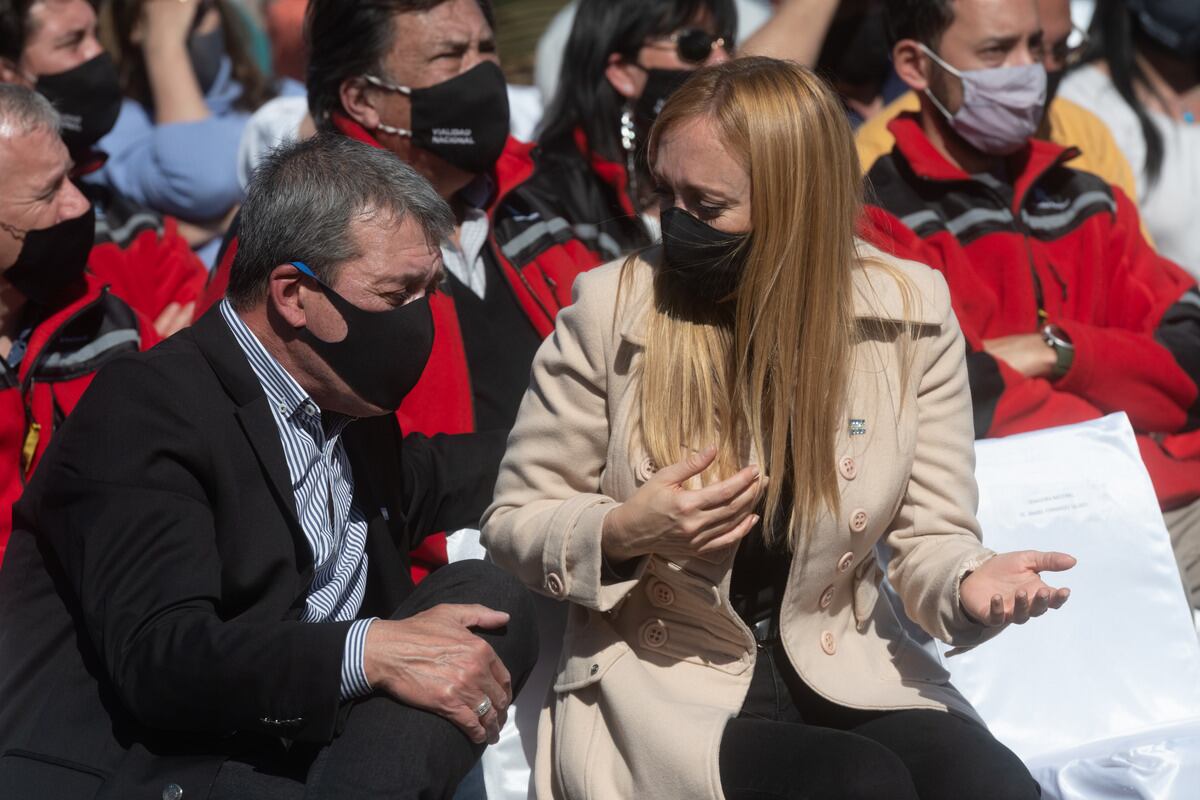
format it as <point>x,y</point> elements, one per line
<point>25,774</point>
<point>581,670</point>
<point>866,590</point>
<point>582,747</point>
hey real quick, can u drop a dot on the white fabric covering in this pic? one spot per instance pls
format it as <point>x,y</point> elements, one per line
<point>1101,698</point>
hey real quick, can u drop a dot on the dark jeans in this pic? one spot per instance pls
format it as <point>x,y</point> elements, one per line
<point>789,743</point>
<point>388,749</point>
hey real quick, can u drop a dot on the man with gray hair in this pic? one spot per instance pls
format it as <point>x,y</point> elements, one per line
<point>58,325</point>
<point>207,589</point>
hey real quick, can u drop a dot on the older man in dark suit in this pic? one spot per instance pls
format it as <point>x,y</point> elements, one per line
<point>206,593</point>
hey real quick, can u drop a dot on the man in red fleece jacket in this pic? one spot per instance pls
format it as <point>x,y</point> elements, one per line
<point>59,323</point>
<point>1068,313</point>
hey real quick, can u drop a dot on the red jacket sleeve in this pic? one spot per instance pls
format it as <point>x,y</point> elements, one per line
<point>1120,366</point>
<point>152,272</point>
<point>1004,401</point>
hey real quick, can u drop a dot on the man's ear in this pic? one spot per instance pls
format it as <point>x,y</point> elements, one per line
<point>623,76</point>
<point>912,64</point>
<point>10,72</point>
<point>284,295</point>
<point>357,102</point>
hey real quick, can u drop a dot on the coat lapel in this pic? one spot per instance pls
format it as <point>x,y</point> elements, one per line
<point>227,360</point>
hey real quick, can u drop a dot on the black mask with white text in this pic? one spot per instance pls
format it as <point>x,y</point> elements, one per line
<point>383,353</point>
<point>701,260</point>
<point>88,98</point>
<point>463,121</point>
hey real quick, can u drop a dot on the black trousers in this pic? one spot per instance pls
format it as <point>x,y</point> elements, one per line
<point>388,749</point>
<point>789,743</point>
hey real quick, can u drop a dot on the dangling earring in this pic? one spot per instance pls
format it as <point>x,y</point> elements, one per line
<point>629,145</point>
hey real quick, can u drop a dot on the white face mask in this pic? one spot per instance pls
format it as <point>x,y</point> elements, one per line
<point>1001,107</point>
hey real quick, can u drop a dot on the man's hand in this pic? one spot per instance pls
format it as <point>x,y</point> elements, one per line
<point>174,318</point>
<point>1027,353</point>
<point>432,661</point>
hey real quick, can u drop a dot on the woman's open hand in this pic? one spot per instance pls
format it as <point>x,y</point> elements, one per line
<point>1009,588</point>
<point>664,517</point>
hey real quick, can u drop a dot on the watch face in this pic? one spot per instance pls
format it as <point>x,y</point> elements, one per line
<point>1056,337</point>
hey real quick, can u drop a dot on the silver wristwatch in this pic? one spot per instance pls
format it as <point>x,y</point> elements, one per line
<point>1064,350</point>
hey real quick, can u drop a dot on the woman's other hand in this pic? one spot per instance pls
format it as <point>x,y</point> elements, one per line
<point>1009,588</point>
<point>666,518</point>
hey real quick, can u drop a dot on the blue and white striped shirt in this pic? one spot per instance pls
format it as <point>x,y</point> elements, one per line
<point>324,490</point>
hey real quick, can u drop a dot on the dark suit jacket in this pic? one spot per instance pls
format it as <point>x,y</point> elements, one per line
<point>151,595</point>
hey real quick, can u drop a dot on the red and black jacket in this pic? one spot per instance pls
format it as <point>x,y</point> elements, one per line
<point>139,252</point>
<point>68,345</point>
<point>539,251</point>
<point>1054,245</point>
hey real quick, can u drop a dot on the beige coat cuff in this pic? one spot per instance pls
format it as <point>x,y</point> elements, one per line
<point>573,560</point>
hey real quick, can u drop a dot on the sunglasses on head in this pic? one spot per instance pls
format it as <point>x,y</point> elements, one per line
<point>692,45</point>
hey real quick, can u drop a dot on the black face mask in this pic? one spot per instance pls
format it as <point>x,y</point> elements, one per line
<point>207,50</point>
<point>384,352</point>
<point>700,259</point>
<point>463,121</point>
<point>89,99</point>
<point>1174,24</point>
<point>1053,81</point>
<point>660,85</point>
<point>53,258</point>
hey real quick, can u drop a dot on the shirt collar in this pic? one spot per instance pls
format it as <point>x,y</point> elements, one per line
<point>1026,165</point>
<point>478,192</point>
<point>285,395</point>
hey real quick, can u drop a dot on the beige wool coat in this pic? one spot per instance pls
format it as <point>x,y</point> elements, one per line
<point>655,661</point>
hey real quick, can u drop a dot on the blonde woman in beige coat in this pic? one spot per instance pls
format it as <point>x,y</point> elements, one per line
<point>808,396</point>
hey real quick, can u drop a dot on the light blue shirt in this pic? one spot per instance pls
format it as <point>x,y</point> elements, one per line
<point>184,169</point>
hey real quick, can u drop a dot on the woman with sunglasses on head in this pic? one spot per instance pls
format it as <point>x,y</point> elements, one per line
<point>716,438</point>
<point>190,84</point>
<point>623,59</point>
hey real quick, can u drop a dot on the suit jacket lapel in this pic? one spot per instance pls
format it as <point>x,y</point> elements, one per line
<point>227,360</point>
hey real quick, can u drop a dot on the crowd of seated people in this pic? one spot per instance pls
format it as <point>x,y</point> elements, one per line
<point>298,297</point>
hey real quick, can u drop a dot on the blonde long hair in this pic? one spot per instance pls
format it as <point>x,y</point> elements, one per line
<point>774,373</point>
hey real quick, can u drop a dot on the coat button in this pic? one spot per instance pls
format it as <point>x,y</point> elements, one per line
<point>858,521</point>
<point>172,791</point>
<point>554,585</point>
<point>848,468</point>
<point>827,597</point>
<point>845,562</point>
<point>646,469</point>
<point>654,634</point>
<point>828,643</point>
<point>661,594</point>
